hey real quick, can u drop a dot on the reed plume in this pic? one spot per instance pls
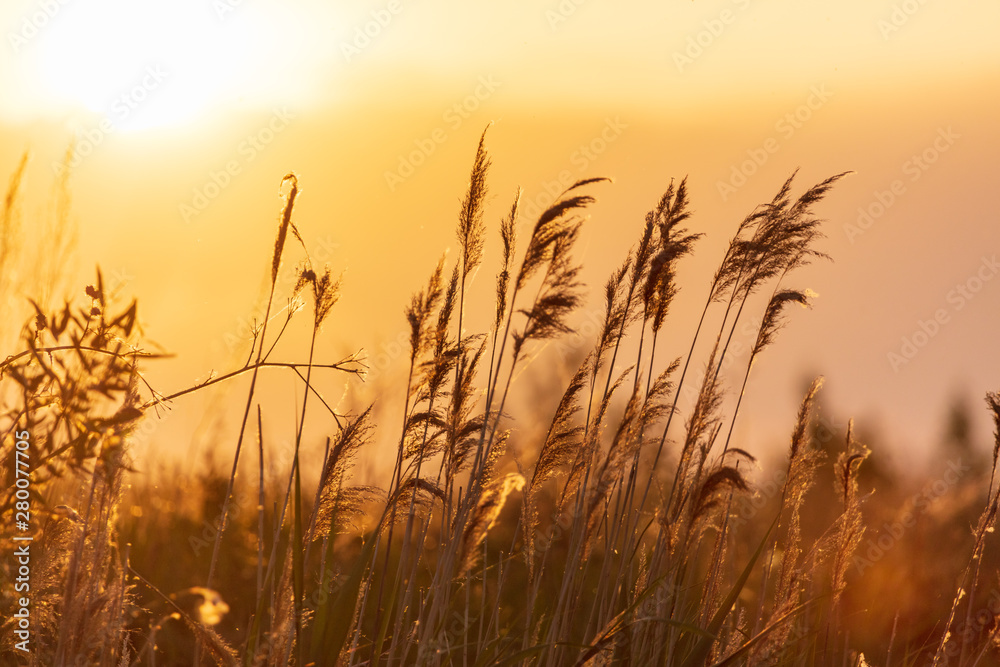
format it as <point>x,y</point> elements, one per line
<point>337,501</point>
<point>491,503</point>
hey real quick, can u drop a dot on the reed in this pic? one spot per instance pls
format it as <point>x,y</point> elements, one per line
<point>613,537</point>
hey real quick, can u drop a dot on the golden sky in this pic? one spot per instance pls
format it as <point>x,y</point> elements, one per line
<point>187,114</point>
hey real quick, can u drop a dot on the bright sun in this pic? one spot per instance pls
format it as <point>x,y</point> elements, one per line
<point>145,64</point>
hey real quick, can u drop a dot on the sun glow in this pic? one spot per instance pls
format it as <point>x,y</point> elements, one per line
<point>150,64</point>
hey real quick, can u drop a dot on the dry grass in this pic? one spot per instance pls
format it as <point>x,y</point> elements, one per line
<point>612,539</point>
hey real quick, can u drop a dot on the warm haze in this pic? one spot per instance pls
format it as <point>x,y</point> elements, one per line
<point>188,88</point>
<point>174,123</point>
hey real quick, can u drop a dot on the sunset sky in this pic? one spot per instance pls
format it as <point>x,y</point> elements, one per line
<point>188,113</point>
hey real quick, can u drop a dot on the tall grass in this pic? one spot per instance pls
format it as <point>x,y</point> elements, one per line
<point>617,537</point>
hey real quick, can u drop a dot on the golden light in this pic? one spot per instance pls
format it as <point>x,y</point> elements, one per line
<point>150,64</point>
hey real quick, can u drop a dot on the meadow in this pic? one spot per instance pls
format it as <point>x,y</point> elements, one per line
<point>619,529</point>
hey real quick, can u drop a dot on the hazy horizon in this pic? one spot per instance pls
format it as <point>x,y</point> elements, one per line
<point>382,134</point>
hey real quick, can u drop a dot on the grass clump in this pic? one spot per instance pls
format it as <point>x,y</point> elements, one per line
<point>616,537</point>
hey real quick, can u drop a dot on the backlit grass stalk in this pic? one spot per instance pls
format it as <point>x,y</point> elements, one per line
<point>279,245</point>
<point>551,242</point>
<point>418,315</point>
<point>326,293</point>
<point>986,525</point>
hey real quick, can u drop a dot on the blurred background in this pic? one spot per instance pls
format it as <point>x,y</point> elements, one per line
<point>178,121</point>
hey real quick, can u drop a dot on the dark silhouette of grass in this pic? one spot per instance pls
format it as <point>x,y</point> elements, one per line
<point>604,542</point>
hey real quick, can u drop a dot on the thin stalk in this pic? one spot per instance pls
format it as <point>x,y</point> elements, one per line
<point>340,366</point>
<point>404,549</point>
<point>297,554</point>
<point>673,409</point>
<point>394,486</point>
<point>246,412</point>
<point>491,385</point>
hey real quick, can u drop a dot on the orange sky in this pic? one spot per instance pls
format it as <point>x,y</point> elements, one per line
<point>190,114</point>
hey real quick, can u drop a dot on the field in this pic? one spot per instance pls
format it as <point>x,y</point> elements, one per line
<point>615,529</point>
